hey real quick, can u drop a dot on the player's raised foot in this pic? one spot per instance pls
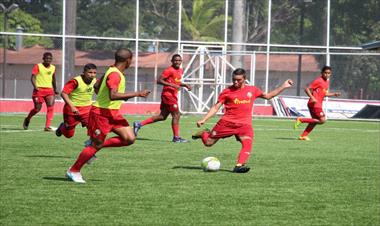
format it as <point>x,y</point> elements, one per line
<point>58,132</point>
<point>198,134</point>
<point>304,138</point>
<point>75,176</point>
<point>136,127</point>
<point>48,129</point>
<point>26,123</point>
<point>92,159</point>
<point>297,123</point>
<point>179,140</point>
<point>241,169</point>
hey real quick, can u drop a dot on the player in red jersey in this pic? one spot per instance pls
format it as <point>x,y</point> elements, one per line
<point>43,81</point>
<point>238,102</point>
<point>317,91</point>
<point>104,115</point>
<point>77,94</point>
<point>171,80</point>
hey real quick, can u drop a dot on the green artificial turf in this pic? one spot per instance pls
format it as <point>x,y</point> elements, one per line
<point>334,179</point>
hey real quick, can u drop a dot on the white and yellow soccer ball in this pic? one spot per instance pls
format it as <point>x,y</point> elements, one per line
<point>210,164</point>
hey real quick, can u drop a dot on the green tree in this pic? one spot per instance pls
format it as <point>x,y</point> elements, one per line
<point>205,20</point>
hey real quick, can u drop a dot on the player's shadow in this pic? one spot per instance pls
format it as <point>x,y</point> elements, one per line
<point>285,138</point>
<point>63,179</point>
<point>196,168</point>
<point>154,140</point>
<point>48,156</point>
<point>12,129</point>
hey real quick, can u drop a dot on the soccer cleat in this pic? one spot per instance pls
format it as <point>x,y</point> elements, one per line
<point>92,159</point>
<point>199,133</point>
<point>48,129</point>
<point>297,123</point>
<point>88,143</point>
<point>304,138</point>
<point>58,132</point>
<point>179,140</point>
<point>75,176</point>
<point>241,169</point>
<point>26,123</point>
<point>136,127</point>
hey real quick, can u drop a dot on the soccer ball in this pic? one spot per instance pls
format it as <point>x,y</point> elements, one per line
<point>210,164</point>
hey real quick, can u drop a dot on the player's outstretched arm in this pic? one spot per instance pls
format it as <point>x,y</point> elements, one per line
<point>288,83</point>
<point>161,81</point>
<point>187,86</point>
<point>213,110</point>
<point>335,94</point>
<point>114,95</point>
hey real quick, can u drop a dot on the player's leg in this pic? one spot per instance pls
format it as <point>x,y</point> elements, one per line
<point>37,102</point>
<point>244,154</point>
<point>176,115</point>
<point>319,117</point>
<point>164,113</point>
<point>66,128</point>
<point>50,99</point>
<point>125,137</point>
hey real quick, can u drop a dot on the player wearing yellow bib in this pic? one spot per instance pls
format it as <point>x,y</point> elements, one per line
<point>43,81</point>
<point>77,94</point>
<point>104,115</point>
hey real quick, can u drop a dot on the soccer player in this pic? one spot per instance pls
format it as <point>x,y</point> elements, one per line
<point>104,115</point>
<point>317,90</point>
<point>171,80</point>
<point>238,102</point>
<point>45,89</point>
<point>77,94</point>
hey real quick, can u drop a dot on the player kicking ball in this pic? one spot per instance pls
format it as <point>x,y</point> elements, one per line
<point>171,80</point>
<point>238,102</point>
<point>77,94</point>
<point>317,90</point>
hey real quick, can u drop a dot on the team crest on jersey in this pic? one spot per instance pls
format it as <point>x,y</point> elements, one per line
<point>175,106</point>
<point>249,94</point>
<point>49,72</point>
<point>89,89</point>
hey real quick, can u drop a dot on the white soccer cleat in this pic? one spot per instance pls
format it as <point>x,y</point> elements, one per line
<point>75,176</point>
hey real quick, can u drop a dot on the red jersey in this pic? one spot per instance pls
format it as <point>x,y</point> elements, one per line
<point>319,89</point>
<point>172,76</point>
<point>238,103</point>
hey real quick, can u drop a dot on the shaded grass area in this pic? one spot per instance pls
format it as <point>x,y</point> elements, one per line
<point>332,180</point>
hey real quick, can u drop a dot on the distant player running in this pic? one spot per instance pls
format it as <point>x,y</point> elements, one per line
<point>171,80</point>
<point>317,91</point>
<point>44,90</point>
<point>104,115</point>
<point>77,94</point>
<point>238,102</point>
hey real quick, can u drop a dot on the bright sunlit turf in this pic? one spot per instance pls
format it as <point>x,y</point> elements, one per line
<point>334,179</point>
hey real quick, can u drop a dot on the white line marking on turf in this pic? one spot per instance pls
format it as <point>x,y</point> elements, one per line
<point>20,131</point>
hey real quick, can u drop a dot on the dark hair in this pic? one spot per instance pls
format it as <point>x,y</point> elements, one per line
<point>239,71</point>
<point>175,55</point>
<point>122,55</point>
<point>46,54</point>
<point>89,67</point>
<point>326,68</point>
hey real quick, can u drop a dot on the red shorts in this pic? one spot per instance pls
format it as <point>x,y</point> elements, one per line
<point>100,125</point>
<point>316,112</point>
<point>40,94</point>
<point>169,103</point>
<point>224,129</point>
<point>71,120</point>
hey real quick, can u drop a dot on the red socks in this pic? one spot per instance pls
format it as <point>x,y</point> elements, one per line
<point>175,128</point>
<point>32,113</point>
<point>205,136</point>
<point>146,121</point>
<point>115,142</point>
<point>83,157</point>
<point>308,129</point>
<point>245,151</point>
<point>49,116</point>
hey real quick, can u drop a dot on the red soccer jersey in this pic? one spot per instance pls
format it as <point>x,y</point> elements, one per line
<point>71,85</point>
<point>238,103</point>
<point>319,89</point>
<point>173,76</point>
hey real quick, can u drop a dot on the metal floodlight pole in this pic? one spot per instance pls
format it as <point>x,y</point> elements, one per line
<point>6,10</point>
